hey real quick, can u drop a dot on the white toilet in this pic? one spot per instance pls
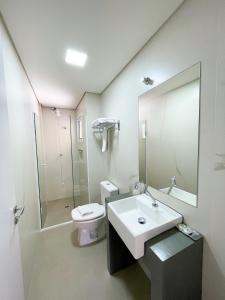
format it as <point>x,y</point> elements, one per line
<point>89,219</point>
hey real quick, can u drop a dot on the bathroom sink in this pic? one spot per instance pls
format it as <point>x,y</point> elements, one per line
<point>136,221</point>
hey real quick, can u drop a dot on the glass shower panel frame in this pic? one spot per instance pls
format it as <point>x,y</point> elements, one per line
<point>40,169</point>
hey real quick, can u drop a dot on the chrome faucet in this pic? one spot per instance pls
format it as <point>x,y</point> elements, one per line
<point>146,191</point>
<point>173,184</point>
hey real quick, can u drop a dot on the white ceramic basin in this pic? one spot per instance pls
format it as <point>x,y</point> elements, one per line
<point>123,215</point>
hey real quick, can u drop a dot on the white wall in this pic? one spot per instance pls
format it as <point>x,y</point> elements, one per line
<point>57,148</point>
<point>11,278</point>
<point>21,105</point>
<point>96,167</point>
<point>195,33</point>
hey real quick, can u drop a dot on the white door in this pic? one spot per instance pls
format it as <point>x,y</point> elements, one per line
<point>11,280</point>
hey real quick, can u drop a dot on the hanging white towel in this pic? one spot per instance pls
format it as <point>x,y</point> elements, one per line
<point>85,210</point>
<point>104,140</point>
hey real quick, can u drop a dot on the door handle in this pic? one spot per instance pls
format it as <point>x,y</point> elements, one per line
<point>18,211</point>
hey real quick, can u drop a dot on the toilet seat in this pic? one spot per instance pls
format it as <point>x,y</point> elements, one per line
<point>98,211</point>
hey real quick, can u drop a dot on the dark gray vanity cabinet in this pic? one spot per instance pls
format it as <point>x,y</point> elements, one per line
<point>118,256</point>
<point>172,261</point>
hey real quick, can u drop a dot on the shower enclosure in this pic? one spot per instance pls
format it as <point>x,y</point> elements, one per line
<point>79,156</point>
<point>60,136</point>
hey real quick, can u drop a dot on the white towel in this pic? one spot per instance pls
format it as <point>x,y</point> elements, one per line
<point>104,140</point>
<point>85,210</point>
<point>104,122</point>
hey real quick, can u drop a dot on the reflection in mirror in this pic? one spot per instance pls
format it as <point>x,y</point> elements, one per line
<point>169,136</point>
<point>80,135</point>
<point>142,151</point>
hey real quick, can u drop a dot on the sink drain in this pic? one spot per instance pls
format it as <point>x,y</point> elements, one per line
<point>141,220</point>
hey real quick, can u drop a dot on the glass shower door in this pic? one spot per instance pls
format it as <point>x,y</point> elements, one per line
<point>79,158</point>
<point>40,169</point>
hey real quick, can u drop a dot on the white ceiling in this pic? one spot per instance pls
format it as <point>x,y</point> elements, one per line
<point>110,31</point>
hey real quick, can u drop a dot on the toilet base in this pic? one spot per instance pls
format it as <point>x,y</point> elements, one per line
<point>92,234</point>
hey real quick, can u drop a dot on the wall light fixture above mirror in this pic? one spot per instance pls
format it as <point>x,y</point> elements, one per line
<point>169,136</point>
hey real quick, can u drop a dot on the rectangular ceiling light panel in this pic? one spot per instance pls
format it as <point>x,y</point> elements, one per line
<point>75,58</point>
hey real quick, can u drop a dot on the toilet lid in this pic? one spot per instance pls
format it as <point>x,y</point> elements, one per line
<point>97,211</point>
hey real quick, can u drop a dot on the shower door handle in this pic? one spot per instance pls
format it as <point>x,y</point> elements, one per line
<point>18,212</point>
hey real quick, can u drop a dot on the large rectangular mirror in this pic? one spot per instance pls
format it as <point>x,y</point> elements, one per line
<point>169,136</point>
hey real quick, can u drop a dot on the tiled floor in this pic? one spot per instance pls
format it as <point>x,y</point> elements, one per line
<point>64,271</point>
<point>58,211</point>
